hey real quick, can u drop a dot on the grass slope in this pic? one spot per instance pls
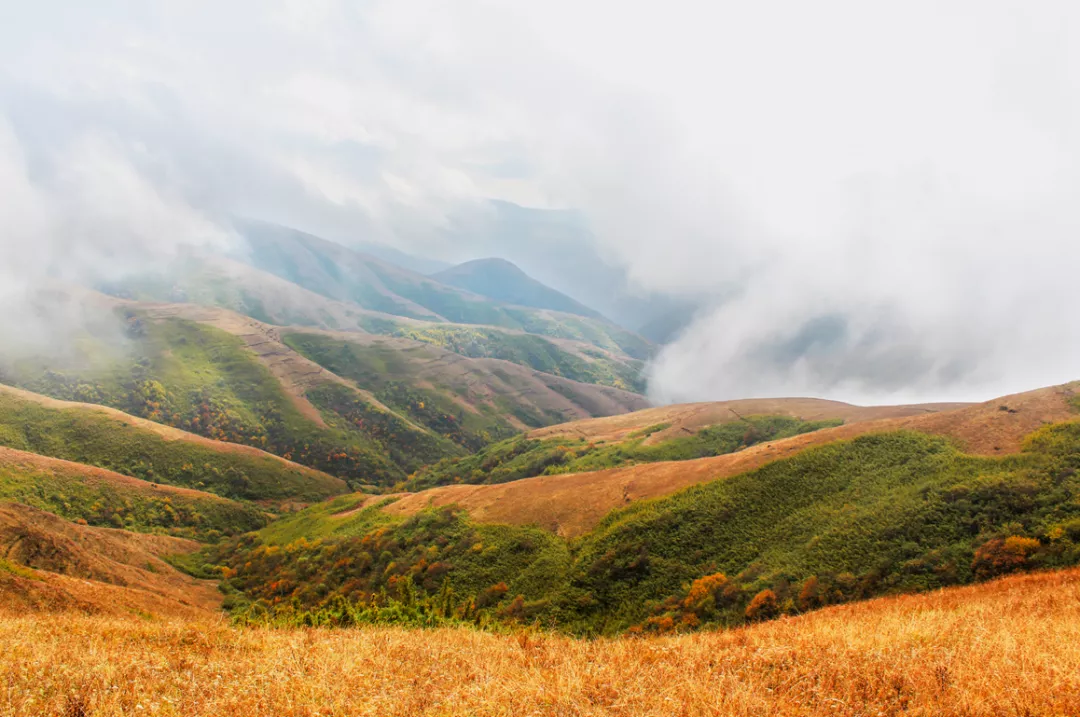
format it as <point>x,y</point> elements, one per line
<point>99,497</point>
<point>524,457</point>
<point>1008,647</point>
<point>85,434</point>
<point>204,380</point>
<point>882,513</point>
<point>469,402</point>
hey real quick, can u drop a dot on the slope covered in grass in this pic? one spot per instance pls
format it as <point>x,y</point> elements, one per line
<point>469,402</point>
<point>1008,647</point>
<point>524,457</point>
<point>121,443</point>
<point>892,512</point>
<point>206,381</point>
<point>99,497</point>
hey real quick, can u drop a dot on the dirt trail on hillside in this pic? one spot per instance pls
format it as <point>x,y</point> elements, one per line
<point>571,504</point>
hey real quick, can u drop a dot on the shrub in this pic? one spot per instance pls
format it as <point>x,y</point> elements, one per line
<point>763,607</point>
<point>999,556</point>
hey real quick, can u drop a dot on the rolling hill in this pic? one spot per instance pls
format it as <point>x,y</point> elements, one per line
<point>667,433</point>
<point>838,514</point>
<point>110,439</point>
<point>502,281</point>
<point>50,564</point>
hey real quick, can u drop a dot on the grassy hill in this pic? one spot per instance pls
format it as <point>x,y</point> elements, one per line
<point>100,497</point>
<point>470,402</point>
<point>524,457</point>
<point>207,381</point>
<point>110,439</point>
<point>51,564</point>
<point>993,428</point>
<point>501,280</point>
<point>891,511</point>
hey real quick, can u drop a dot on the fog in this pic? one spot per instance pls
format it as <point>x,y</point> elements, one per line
<point>866,201</point>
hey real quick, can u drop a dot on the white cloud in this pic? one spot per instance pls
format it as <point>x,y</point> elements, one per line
<point>898,176</point>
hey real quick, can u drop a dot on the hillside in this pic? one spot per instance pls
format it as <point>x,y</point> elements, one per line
<point>96,496</point>
<point>502,281</point>
<point>1002,648</point>
<point>110,439</point>
<point>981,429</point>
<point>224,283</point>
<point>352,277</point>
<point>824,520</point>
<point>50,564</point>
<point>668,433</point>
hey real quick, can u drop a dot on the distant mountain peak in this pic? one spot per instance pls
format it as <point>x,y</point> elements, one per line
<point>502,280</point>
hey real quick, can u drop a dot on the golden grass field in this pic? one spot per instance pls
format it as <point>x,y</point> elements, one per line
<point>1011,647</point>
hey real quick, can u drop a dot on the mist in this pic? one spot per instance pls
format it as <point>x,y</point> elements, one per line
<point>865,201</point>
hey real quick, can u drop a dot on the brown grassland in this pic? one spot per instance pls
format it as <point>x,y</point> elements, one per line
<point>1010,647</point>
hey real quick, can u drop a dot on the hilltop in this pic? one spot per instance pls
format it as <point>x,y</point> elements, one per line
<point>503,281</point>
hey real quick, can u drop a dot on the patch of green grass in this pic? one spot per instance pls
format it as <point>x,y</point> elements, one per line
<point>6,566</point>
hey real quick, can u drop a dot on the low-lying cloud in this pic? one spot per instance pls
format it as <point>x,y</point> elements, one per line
<point>866,201</point>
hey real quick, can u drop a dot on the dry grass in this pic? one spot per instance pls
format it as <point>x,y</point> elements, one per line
<point>572,504</point>
<point>65,565</point>
<point>1005,648</point>
<point>689,418</point>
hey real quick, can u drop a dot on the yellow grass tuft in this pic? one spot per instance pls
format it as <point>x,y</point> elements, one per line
<point>1011,647</point>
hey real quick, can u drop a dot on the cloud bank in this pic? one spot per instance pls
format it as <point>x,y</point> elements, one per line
<point>868,201</point>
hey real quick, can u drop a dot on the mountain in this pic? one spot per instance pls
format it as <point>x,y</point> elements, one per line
<point>220,282</point>
<point>500,280</point>
<point>348,276</point>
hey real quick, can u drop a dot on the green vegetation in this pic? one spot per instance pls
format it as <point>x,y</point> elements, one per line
<point>90,436</point>
<point>530,350</point>
<point>479,569</point>
<point>205,381</point>
<point>391,375</point>
<point>523,457</point>
<point>893,512</point>
<point>94,501</point>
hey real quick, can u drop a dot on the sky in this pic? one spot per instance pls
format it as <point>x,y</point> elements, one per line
<point>868,201</point>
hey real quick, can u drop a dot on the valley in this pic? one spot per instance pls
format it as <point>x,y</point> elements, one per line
<point>365,453</point>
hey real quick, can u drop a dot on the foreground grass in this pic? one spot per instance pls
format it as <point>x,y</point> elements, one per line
<point>1011,647</point>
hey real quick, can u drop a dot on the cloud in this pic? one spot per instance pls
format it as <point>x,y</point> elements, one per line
<point>866,201</point>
